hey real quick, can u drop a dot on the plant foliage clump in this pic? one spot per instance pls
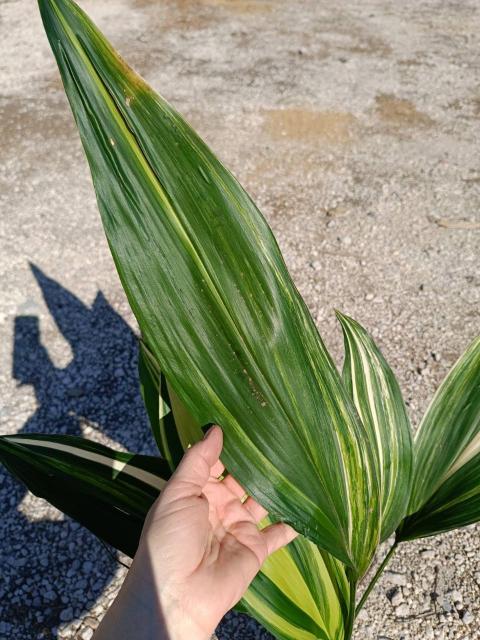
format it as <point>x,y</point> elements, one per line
<point>226,338</point>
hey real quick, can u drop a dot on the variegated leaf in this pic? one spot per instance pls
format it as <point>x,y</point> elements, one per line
<point>449,434</point>
<point>377,396</point>
<point>300,590</point>
<point>300,593</point>
<point>446,486</point>
<point>456,503</point>
<point>214,301</point>
<point>107,491</point>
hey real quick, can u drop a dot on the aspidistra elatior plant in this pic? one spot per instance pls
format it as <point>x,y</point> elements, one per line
<point>226,338</point>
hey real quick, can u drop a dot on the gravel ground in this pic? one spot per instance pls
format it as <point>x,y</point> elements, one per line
<point>354,126</point>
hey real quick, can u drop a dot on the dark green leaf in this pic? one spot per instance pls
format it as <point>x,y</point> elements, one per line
<point>107,491</point>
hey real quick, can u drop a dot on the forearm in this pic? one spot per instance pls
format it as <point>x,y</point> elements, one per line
<point>142,612</point>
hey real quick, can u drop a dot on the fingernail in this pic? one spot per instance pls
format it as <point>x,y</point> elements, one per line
<point>209,428</point>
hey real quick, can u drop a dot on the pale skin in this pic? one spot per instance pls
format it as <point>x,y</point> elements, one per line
<point>200,548</point>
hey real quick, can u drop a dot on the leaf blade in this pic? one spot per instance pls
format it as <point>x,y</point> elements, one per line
<point>446,487</point>
<point>296,594</point>
<point>449,433</point>
<point>107,491</point>
<point>236,341</point>
<point>160,408</point>
<point>378,399</point>
<point>456,503</point>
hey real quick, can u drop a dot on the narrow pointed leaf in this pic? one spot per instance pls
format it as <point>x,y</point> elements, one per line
<point>107,491</point>
<point>449,434</point>
<point>214,301</point>
<point>456,503</point>
<point>377,396</point>
<point>446,487</point>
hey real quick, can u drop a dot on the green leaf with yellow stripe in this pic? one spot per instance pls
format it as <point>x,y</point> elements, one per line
<point>446,485</point>
<point>109,492</point>
<point>377,396</point>
<point>215,303</point>
<point>300,592</point>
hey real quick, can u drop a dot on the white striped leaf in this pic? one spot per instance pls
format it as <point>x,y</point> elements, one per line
<point>107,491</point>
<point>456,503</point>
<point>449,434</point>
<point>446,486</point>
<point>377,396</point>
<point>214,301</point>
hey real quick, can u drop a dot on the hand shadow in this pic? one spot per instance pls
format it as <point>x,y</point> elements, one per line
<point>54,570</point>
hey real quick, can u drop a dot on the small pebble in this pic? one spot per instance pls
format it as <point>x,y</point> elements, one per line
<point>395,578</point>
<point>467,617</point>
<point>402,611</point>
<point>66,614</point>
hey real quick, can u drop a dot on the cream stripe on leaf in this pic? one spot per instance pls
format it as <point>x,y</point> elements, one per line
<point>378,399</point>
<point>300,593</point>
<point>214,301</point>
<point>448,436</point>
<point>109,492</point>
<point>279,614</point>
<point>446,488</point>
<point>118,462</point>
<point>456,503</point>
<point>297,575</point>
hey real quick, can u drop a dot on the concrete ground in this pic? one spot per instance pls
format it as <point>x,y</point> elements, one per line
<point>355,127</point>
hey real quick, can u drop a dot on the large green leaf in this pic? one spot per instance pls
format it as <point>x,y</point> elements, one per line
<point>377,396</point>
<point>214,301</point>
<point>446,486</point>
<point>107,491</point>
<point>300,589</point>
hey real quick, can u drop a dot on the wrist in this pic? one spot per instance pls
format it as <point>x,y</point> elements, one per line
<point>157,605</point>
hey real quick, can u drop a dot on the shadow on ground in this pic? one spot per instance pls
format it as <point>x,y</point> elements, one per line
<point>56,569</point>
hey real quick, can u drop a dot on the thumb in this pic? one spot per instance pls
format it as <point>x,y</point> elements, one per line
<point>193,472</point>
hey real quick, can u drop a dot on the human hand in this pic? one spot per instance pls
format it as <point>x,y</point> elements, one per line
<point>200,549</point>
